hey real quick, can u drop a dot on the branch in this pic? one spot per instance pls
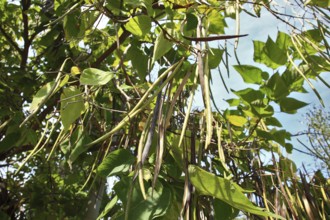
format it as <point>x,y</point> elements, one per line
<point>112,48</point>
<point>303,152</point>
<point>25,53</point>
<point>213,38</point>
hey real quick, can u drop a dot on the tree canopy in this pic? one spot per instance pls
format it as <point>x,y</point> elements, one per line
<point>105,88</point>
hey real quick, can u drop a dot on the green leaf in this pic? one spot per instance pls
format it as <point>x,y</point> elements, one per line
<point>162,46</point>
<point>229,192</point>
<point>233,102</point>
<point>275,53</point>
<point>116,162</point>
<point>287,167</point>
<point>155,206</point>
<point>275,135</point>
<point>108,207</point>
<point>263,111</point>
<point>291,105</point>
<point>216,22</point>
<point>283,40</point>
<point>74,26</point>
<point>251,74</point>
<point>276,88</point>
<point>215,57</point>
<point>259,54</point>
<point>95,77</point>
<point>280,135</point>
<point>236,120</point>
<point>288,147</point>
<point>192,22</point>
<point>273,122</point>
<point>257,9</point>
<point>139,60</point>
<point>319,3</point>
<point>41,95</point>
<point>9,141</point>
<point>139,25</point>
<point>314,34</point>
<point>4,216</point>
<point>249,95</point>
<point>224,211</point>
<point>293,80</point>
<point>78,141</point>
<point>72,106</point>
<point>269,53</point>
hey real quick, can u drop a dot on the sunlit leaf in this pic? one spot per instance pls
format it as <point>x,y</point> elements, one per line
<point>215,57</point>
<point>229,192</point>
<point>249,95</point>
<point>251,74</point>
<point>263,111</point>
<point>293,80</point>
<point>236,120</point>
<point>233,102</point>
<point>162,46</point>
<point>92,76</point>
<point>41,95</point>
<point>139,25</point>
<point>216,22</point>
<point>269,53</point>
<point>275,53</point>
<point>283,40</point>
<point>72,106</point>
<point>314,34</point>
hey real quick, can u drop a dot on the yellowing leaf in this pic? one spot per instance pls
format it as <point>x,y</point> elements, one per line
<point>142,124</point>
<point>75,70</point>
<point>236,120</point>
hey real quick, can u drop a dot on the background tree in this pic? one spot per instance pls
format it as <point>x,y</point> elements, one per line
<point>81,103</point>
<point>318,132</point>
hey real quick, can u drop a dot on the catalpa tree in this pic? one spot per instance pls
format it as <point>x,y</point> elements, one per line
<point>97,89</point>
